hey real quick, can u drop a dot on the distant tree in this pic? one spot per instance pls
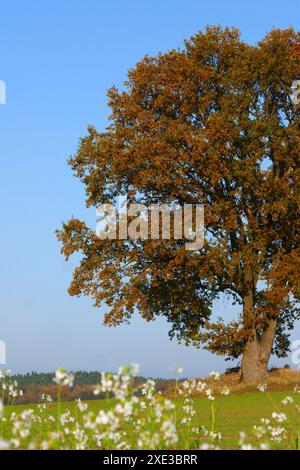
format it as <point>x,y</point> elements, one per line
<point>211,124</point>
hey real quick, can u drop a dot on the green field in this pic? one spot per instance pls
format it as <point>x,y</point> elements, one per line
<point>233,414</point>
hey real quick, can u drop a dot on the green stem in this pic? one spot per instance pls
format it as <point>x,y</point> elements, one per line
<point>213,416</point>
<point>58,406</point>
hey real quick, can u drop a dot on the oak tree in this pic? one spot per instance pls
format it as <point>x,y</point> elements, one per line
<point>213,123</point>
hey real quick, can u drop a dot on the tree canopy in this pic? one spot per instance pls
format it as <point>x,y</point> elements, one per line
<point>212,123</point>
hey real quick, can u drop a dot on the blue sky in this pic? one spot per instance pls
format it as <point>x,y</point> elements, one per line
<point>58,58</point>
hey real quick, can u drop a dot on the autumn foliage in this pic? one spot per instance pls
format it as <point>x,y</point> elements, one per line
<point>212,124</point>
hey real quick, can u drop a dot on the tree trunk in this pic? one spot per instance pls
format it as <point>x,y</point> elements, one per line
<point>254,369</point>
<point>256,356</point>
<point>257,351</point>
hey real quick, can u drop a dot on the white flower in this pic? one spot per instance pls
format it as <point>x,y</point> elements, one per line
<point>205,446</point>
<point>125,409</point>
<point>177,369</point>
<point>102,417</point>
<point>279,417</point>
<point>81,406</point>
<point>24,433</point>
<point>259,431</point>
<point>277,433</point>
<point>148,388</point>
<point>134,369</point>
<point>63,378</point>
<point>287,401</point>
<point>262,387</point>
<point>215,375</point>
<point>200,386</point>
<point>264,446</point>
<point>209,394</point>
<point>215,436</point>
<point>45,445</point>
<point>129,371</point>
<point>242,437</point>
<point>169,405</point>
<point>169,430</point>
<point>246,447</point>
<point>4,444</point>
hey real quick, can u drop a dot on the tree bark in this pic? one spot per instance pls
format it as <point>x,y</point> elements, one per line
<point>257,350</point>
<point>256,356</point>
<point>254,366</point>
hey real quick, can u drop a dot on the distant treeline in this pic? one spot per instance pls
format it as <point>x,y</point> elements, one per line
<point>46,378</point>
<point>34,384</point>
<point>80,378</point>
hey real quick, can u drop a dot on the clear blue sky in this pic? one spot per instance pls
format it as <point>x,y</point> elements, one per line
<point>58,58</point>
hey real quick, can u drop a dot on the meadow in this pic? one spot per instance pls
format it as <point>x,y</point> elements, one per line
<point>196,414</point>
<point>235,414</point>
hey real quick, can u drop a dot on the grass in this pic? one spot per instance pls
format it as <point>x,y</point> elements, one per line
<point>234,413</point>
